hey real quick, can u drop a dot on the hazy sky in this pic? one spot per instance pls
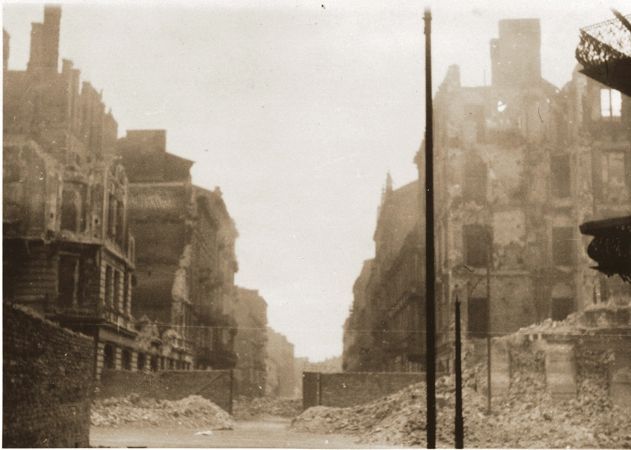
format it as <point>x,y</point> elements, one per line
<point>296,109</point>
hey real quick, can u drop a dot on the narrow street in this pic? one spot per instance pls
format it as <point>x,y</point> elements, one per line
<point>266,433</point>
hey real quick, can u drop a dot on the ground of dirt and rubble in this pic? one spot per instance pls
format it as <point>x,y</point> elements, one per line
<point>526,417</point>
<point>190,412</point>
<point>133,421</point>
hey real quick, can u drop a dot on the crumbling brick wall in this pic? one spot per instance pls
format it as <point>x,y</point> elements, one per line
<point>47,382</point>
<point>353,388</point>
<point>215,385</point>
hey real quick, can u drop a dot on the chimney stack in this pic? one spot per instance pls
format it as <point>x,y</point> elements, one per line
<point>44,55</point>
<point>516,54</point>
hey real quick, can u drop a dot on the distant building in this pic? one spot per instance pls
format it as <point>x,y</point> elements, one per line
<point>383,330</point>
<point>185,258</point>
<point>250,312</point>
<point>280,381</point>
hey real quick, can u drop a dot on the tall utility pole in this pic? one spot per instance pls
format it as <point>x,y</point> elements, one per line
<point>489,263</point>
<point>430,327</point>
<point>459,422</point>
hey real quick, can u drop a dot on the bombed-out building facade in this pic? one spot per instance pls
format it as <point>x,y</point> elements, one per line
<point>519,165</point>
<point>108,236</point>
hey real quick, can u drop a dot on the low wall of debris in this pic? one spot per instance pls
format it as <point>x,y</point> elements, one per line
<point>566,361</point>
<point>47,382</point>
<point>352,388</point>
<point>214,385</point>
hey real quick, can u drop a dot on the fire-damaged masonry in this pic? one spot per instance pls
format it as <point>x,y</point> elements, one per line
<point>519,166</point>
<point>74,195</point>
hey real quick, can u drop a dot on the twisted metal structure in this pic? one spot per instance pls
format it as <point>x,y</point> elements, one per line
<point>604,50</point>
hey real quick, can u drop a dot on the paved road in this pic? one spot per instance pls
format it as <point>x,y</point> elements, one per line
<point>269,433</point>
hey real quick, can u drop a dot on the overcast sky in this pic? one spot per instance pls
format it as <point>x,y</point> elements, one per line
<point>296,109</point>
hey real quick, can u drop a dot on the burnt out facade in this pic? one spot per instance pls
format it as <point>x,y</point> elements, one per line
<point>521,164</point>
<point>67,250</point>
<point>185,258</point>
<point>73,192</point>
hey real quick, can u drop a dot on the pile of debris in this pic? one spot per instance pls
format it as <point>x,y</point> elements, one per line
<point>525,417</point>
<point>247,408</point>
<point>192,411</point>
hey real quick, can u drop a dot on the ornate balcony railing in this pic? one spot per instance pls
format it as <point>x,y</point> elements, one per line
<point>604,50</point>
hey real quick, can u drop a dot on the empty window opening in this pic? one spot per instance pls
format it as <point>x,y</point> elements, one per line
<point>475,180</point>
<point>477,242</point>
<point>142,361</point>
<point>117,290</point>
<point>610,103</point>
<point>108,357</point>
<point>478,317</point>
<point>560,171</point>
<point>126,293</point>
<point>111,216</point>
<point>109,288</point>
<point>70,210</point>
<point>68,280</point>
<point>563,246</point>
<point>126,359</point>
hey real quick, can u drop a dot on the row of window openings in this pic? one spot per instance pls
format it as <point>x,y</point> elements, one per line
<point>615,174</point>
<point>155,362</point>
<point>73,215</point>
<point>478,242</point>
<point>610,107</point>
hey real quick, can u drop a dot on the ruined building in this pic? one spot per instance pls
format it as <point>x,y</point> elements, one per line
<point>185,258</point>
<point>68,206</point>
<point>383,331</point>
<point>519,165</point>
<point>250,313</point>
<point>67,250</point>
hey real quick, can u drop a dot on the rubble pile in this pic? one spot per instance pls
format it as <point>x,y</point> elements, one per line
<point>247,408</point>
<point>192,411</point>
<point>525,417</point>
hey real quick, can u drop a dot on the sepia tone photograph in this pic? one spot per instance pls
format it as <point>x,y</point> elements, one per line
<point>316,224</point>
